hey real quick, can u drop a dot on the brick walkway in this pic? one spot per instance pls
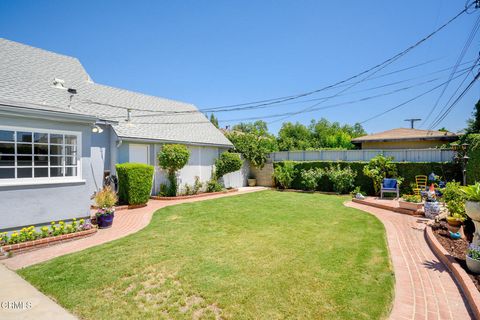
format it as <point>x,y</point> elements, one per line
<point>126,222</point>
<point>424,289</point>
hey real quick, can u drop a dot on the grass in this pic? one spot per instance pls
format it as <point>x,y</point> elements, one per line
<point>264,255</point>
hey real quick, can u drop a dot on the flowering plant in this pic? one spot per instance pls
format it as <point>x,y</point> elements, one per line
<point>473,252</point>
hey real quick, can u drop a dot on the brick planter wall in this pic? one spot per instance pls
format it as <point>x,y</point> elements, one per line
<point>206,194</point>
<point>45,242</point>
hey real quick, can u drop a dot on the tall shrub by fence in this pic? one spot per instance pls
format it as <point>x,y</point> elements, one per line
<point>403,155</point>
<point>473,166</point>
<point>407,170</point>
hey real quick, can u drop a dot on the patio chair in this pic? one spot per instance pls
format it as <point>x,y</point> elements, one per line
<point>421,184</point>
<point>389,186</point>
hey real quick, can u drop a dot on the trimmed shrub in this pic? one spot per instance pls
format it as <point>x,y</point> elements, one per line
<point>407,170</point>
<point>343,179</point>
<point>226,163</point>
<point>172,158</point>
<point>311,177</point>
<point>135,182</point>
<point>473,165</point>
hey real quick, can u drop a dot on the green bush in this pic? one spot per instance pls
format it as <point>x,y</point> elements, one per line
<point>473,165</point>
<point>213,186</point>
<point>407,170</point>
<point>343,179</point>
<point>226,163</point>
<point>311,177</point>
<point>454,199</point>
<point>135,182</point>
<point>379,168</point>
<point>285,174</point>
<point>172,158</point>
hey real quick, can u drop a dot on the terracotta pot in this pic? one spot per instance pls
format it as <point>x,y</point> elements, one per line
<point>252,182</point>
<point>473,265</point>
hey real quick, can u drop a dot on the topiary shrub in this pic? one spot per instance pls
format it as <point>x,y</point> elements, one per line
<point>135,182</point>
<point>226,163</point>
<point>172,158</point>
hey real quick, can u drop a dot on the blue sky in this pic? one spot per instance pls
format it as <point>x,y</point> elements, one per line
<point>214,53</point>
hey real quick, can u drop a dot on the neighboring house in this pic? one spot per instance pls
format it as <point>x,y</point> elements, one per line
<point>60,133</point>
<point>403,138</point>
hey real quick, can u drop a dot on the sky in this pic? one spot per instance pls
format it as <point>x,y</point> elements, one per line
<point>221,53</point>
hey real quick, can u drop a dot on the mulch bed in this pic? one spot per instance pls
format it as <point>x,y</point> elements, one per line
<point>456,248</point>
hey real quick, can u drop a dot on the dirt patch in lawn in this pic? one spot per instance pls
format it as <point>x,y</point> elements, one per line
<point>456,248</point>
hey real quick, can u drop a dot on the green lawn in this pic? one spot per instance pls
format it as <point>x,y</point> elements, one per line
<point>264,255</point>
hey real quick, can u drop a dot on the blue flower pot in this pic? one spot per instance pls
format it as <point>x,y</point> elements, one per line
<point>105,220</point>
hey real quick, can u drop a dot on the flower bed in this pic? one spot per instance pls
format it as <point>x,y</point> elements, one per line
<point>29,238</point>
<point>452,254</point>
<point>205,194</point>
<point>124,207</point>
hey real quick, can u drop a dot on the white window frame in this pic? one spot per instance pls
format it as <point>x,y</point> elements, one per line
<point>44,180</point>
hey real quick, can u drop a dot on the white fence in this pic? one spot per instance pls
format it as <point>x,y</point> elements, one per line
<point>399,155</point>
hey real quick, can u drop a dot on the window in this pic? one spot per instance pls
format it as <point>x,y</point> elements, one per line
<point>38,154</point>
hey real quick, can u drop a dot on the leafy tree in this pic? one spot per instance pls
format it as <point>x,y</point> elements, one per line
<point>172,158</point>
<point>226,163</point>
<point>294,137</point>
<point>378,168</point>
<point>253,141</point>
<point>474,123</point>
<point>214,120</point>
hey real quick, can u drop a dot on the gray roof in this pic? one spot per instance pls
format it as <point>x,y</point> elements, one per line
<point>27,75</point>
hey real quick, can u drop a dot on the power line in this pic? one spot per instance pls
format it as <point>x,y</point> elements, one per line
<point>456,101</point>
<point>288,98</point>
<point>408,101</point>
<point>457,63</point>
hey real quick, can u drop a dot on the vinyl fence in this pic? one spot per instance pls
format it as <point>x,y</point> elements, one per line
<point>399,155</point>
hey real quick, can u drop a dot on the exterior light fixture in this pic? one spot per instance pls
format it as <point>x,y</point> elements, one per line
<point>97,129</point>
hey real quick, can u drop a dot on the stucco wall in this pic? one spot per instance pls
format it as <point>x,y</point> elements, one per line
<point>38,204</point>
<point>403,144</point>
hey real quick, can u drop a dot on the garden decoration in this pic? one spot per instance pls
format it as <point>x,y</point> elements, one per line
<point>432,207</point>
<point>472,208</point>
<point>105,201</point>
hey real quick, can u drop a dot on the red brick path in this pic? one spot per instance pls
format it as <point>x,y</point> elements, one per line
<point>424,289</point>
<point>126,222</point>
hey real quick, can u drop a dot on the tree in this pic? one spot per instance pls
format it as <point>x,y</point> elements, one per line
<point>172,158</point>
<point>294,137</point>
<point>258,127</point>
<point>214,120</point>
<point>474,123</point>
<point>378,168</point>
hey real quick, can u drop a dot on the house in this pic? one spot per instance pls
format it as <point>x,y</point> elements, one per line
<point>403,138</point>
<point>60,133</point>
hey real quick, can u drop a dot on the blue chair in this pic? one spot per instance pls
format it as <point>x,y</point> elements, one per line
<point>389,186</point>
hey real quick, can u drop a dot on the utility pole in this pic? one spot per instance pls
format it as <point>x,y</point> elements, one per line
<point>412,122</point>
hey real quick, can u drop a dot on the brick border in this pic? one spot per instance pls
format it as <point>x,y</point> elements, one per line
<point>124,207</point>
<point>193,196</point>
<point>385,207</point>
<point>45,242</point>
<point>461,277</point>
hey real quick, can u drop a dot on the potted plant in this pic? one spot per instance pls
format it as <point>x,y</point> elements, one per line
<point>411,202</point>
<point>472,209</point>
<point>454,200</point>
<point>473,258</point>
<point>105,201</point>
<point>252,182</point>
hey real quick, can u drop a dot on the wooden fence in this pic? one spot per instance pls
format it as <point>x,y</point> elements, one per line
<point>399,155</point>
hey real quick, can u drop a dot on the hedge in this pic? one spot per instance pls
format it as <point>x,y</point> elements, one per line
<point>473,165</point>
<point>407,170</point>
<point>135,182</point>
